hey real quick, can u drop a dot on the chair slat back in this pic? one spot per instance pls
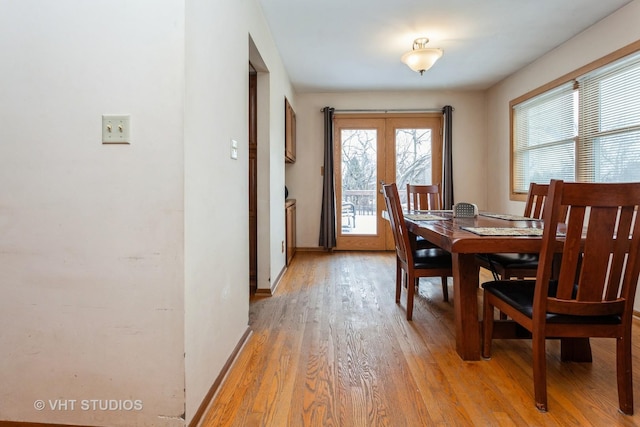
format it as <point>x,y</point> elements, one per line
<point>600,257</point>
<point>535,200</point>
<point>424,197</point>
<point>398,226</point>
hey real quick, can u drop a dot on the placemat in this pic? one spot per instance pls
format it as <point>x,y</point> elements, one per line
<point>424,217</point>
<point>508,217</point>
<point>504,231</point>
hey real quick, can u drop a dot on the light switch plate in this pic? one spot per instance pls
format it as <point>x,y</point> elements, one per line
<point>234,149</point>
<point>116,129</point>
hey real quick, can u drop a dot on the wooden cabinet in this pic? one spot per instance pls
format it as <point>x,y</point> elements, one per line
<point>289,133</point>
<point>290,214</point>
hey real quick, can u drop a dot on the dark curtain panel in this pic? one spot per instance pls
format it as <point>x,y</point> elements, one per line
<point>328,211</point>
<point>447,159</point>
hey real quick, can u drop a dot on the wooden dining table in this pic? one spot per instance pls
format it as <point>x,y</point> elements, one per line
<point>452,234</point>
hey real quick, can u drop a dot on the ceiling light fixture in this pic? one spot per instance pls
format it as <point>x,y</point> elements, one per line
<point>421,58</point>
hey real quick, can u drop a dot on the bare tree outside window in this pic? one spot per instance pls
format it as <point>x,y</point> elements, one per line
<point>359,154</point>
<point>413,158</point>
<point>359,151</point>
<point>359,177</point>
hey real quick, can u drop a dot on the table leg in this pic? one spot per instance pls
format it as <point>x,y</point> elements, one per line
<point>575,350</point>
<point>465,295</point>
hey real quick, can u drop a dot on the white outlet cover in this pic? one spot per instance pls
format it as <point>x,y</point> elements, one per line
<point>116,129</point>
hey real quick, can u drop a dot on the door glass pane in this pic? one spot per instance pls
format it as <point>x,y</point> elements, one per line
<point>413,159</point>
<point>359,178</point>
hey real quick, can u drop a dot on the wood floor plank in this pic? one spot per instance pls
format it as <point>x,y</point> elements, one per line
<point>332,348</point>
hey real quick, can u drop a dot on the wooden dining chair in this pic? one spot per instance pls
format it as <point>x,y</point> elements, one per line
<point>506,265</point>
<point>423,197</point>
<point>594,292</point>
<point>411,264</point>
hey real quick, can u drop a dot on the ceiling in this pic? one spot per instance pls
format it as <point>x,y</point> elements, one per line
<point>356,45</point>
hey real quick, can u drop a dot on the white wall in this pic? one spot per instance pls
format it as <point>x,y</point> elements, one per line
<point>91,236</point>
<point>216,187</point>
<point>124,269</point>
<point>216,207</point>
<point>273,87</point>
<point>303,177</point>
<point>608,35</point>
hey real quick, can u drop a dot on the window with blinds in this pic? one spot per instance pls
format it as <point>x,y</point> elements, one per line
<point>609,133</point>
<point>545,128</point>
<point>587,129</point>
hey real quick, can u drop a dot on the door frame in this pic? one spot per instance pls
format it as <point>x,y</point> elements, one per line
<point>253,179</point>
<point>360,241</point>
<point>386,124</point>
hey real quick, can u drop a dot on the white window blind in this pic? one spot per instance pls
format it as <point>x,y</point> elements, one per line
<point>584,130</point>
<point>609,143</point>
<point>545,129</point>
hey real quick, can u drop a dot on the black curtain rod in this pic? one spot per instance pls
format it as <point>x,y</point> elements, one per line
<point>408,110</point>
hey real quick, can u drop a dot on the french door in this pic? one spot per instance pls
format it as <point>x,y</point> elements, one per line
<point>371,150</point>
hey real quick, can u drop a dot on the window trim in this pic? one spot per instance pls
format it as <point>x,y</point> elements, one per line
<point>573,75</point>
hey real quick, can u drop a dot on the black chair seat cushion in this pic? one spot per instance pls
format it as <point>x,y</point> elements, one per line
<point>519,294</point>
<point>432,258</point>
<point>508,261</point>
<point>421,243</point>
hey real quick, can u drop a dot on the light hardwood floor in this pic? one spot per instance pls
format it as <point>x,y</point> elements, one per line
<point>331,348</point>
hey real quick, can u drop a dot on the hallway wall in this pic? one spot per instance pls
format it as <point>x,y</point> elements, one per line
<point>91,235</point>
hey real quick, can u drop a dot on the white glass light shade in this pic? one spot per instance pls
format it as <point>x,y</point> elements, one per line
<point>420,60</point>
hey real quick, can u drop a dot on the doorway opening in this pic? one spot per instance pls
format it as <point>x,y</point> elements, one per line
<point>253,180</point>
